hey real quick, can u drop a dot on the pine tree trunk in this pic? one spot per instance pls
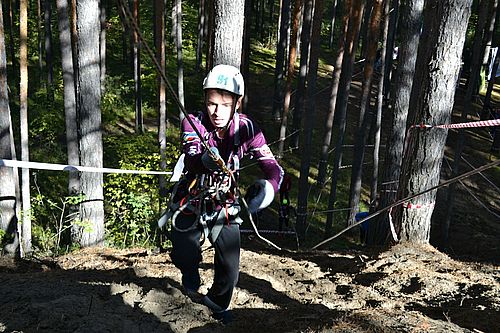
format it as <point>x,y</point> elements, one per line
<point>102,40</point>
<point>162,91</point>
<point>8,198</point>
<point>136,61</point>
<point>245,58</point>
<point>228,32</point>
<point>332,22</point>
<point>10,26</point>
<point>89,111</point>
<point>201,37</point>
<point>305,40</point>
<point>337,70</point>
<point>178,45</point>
<point>364,116</point>
<point>292,57</point>
<point>411,25</point>
<point>23,110</point>
<point>309,121</point>
<point>391,39</point>
<point>69,95</point>
<point>431,102</point>
<point>48,49</point>
<point>280,60</point>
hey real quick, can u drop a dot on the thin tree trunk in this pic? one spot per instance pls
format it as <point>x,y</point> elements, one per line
<point>364,115</point>
<point>472,86</point>
<point>332,22</point>
<point>162,89</point>
<point>136,56</point>
<point>91,233</point>
<point>380,102</point>
<point>356,14</point>
<point>69,95</point>
<point>391,38</point>
<point>485,113</point>
<point>488,41</point>
<point>74,42</point>
<point>280,60</point>
<point>40,41</point>
<point>291,71</point>
<point>10,26</point>
<point>102,40</point>
<point>48,49</point>
<point>431,102</point>
<point>200,39</point>
<point>411,25</point>
<point>363,33</point>
<point>245,57</point>
<point>337,70</point>
<point>178,44</point>
<point>8,179</point>
<point>305,40</point>
<point>309,121</point>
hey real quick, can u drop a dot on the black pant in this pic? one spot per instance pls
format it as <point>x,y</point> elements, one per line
<point>186,255</point>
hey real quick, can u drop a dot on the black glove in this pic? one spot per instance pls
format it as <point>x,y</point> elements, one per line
<point>208,161</point>
<point>259,195</point>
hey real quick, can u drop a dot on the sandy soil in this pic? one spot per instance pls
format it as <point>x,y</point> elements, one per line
<point>407,289</point>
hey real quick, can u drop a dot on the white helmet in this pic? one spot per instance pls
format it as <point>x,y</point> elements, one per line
<point>225,77</point>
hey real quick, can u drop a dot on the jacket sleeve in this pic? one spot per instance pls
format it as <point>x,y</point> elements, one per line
<point>259,150</point>
<point>191,145</point>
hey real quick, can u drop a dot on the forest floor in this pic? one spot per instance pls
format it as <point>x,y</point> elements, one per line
<point>404,289</point>
<point>345,288</point>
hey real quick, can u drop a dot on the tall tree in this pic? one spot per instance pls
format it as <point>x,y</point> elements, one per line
<point>305,40</point>
<point>69,94</point>
<point>279,67</point>
<point>102,44</point>
<point>472,89</point>
<point>23,110</point>
<point>332,22</point>
<point>201,33</point>
<point>228,32</point>
<point>355,13</point>
<point>305,163</point>
<point>431,102</point>
<point>292,57</point>
<point>136,61</point>
<point>391,40</point>
<point>409,36</point>
<point>47,14</point>
<point>162,90</point>
<point>91,231</point>
<point>8,197</point>
<point>364,115</point>
<point>337,69</point>
<point>178,46</point>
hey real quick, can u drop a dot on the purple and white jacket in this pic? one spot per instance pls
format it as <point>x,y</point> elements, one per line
<point>252,143</point>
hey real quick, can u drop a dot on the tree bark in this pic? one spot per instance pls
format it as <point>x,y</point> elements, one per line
<point>431,102</point>
<point>48,48</point>
<point>102,45</point>
<point>305,40</point>
<point>292,57</point>
<point>91,231</point>
<point>8,197</point>
<point>228,32</point>
<point>69,95</point>
<point>332,22</point>
<point>178,46</point>
<point>280,60</point>
<point>136,61</point>
<point>364,116</point>
<point>391,38</point>
<point>337,70</point>
<point>409,35</point>
<point>309,122</point>
<point>201,37</point>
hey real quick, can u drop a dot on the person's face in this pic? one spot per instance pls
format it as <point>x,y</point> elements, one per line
<point>220,106</point>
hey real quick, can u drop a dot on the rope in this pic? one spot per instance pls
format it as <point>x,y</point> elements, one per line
<point>399,202</point>
<point>215,157</point>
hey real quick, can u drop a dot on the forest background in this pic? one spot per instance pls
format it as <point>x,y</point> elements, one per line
<point>129,108</point>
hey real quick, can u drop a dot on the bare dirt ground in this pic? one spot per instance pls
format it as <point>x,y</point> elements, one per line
<point>406,289</point>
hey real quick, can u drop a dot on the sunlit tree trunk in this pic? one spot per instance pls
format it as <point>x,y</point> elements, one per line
<point>245,57</point>
<point>332,22</point>
<point>228,32</point>
<point>431,103</point>
<point>162,96</point>
<point>201,35</point>
<point>12,47</point>
<point>102,40</point>
<point>91,230</point>
<point>178,45</point>
<point>48,48</point>
<point>23,110</point>
<point>391,39</point>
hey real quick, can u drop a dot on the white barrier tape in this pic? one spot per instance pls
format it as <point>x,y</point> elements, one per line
<point>250,231</point>
<point>482,123</point>
<point>62,167</point>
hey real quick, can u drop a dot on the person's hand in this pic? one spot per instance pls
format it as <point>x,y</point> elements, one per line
<point>259,195</point>
<point>208,161</point>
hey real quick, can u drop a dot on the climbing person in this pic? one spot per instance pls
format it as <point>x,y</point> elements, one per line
<point>209,203</point>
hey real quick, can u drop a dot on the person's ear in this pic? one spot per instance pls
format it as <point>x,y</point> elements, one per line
<point>238,102</point>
